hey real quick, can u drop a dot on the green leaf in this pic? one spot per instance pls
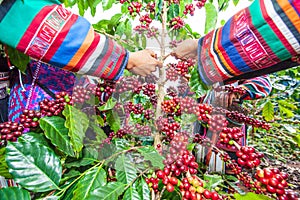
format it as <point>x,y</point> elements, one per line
<point>158,8</point>
<point>100,135</point>
<point>92,180</point>
<point>150,153</point>
<point>121,28</point>
<point>235,2</point>
<point>128,29</point>
<point>14,193</point>
<point>211,17</point>
<point>113,120</point>
<point>110,104</point>
<point>196,84</point>
<point>69,175</point>
<point>285,112</point>
<point>143,189</point>
<point>69,3</point>
<point>34,137</point>
<point>212,181</point>
<point>173,11</point>
<point>89,156</point>
<point>55,130</point>
<point>297,139</point>
<point>111,191</point>
<point>287,104</point>
<point>3,165</point>
<point>131,194</point>
<point>126,172</point>
<point>251,196</point>
<point>68,195</point>
<point>77,122</point>
<point>18,59</point>
<point>121,144</point>
<point>80,5</point>
<point>92,7</point>
<point>34,166</point>
<point>236,188</point>
<point>268,111</point>
<point>116,19</point>
<point>107,4</point>
<point>223,4</point>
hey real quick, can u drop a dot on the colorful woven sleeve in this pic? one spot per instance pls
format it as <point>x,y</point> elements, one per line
<point>46,31</point>
<point>256,88</point>
<point>254,39</point>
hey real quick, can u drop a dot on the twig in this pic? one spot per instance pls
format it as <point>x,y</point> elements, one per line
<point>141,174</point>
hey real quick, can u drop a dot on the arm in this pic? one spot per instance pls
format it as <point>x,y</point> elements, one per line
<point>257,38</point>
<point>256,88</point>
<point>46,31</point>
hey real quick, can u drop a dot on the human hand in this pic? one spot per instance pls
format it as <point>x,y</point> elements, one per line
<point>143,62</point>
<point>225,99</point>
<point>186,49</point>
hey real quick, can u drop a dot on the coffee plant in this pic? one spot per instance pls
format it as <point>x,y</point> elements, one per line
<point>136,139</point>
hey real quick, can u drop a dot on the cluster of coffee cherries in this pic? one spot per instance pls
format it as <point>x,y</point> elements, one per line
<point>235,90</point>
<point>200,3</point>
<point>141,130</point>
<point>185,161</point>
<point>187,105</point>
<point>80,94</point>
<point>203,112</point>
<point>241,118</point>
<point>273,181</point>
<point>172,106</point>
<point>168,126</point>
<point>193,188</point>
<point>174,43</point>
<point>217,123</point>
<point>147,89</point>
<point>171,72</point>
<point>189,9</point>
<point>55,107</point>
<point>10,131</point>
<point>152,183</point>
<point>248,157</point>
<point>127,83</point>
<point>182,67</point>
<point>104,90</point>
<point>134,108</point>
<point>171,91</point>
<point>134,8</point>
<point>30,118</point>
<point>176,23</point>
<point>169,181</point>
<point>229,135</point>
<point>145,20</point>
<point>148,114</point>
<point>177,148</point>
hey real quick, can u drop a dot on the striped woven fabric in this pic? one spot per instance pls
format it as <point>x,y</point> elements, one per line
<point>258,87</point>
<point>258,37</point>
<point>47,31</point>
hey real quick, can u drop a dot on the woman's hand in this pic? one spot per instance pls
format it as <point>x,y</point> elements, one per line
<point>143,62</point>
<point>186,49</point>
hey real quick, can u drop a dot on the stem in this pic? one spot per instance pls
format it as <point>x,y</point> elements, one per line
<point>141,174</point>
<point>161,82</point>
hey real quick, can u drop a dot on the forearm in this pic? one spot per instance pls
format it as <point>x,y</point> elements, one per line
<point>256,38</point>
<point>48,32</point>
<point>256,88</point>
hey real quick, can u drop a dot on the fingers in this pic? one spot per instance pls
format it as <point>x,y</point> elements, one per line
<point>155,61</point>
